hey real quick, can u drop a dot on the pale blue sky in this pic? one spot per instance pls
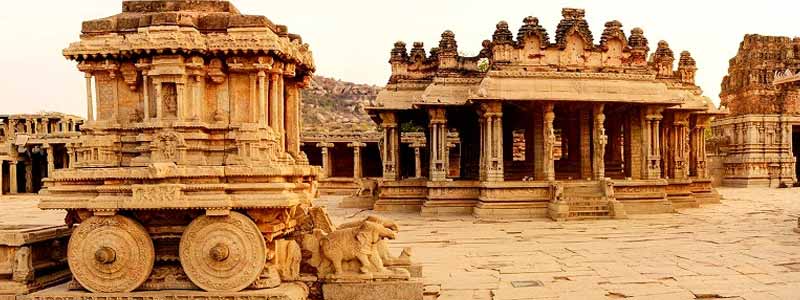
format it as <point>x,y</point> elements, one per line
<point>351,39</point>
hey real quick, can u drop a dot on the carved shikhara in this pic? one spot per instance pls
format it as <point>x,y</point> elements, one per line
<point>189,174</point>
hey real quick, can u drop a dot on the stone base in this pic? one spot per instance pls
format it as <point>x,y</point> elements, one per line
<point>755,182</point>
<point>648,206</point>
<point>496,210</point>
<point>365,202</point>
<point>374,290</point>
<point>447,207</point>
<point>286,291</point>
<point>394,205</point>
<point>337,186</point>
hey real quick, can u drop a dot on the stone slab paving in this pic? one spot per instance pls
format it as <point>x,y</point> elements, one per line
<point>744,248</point>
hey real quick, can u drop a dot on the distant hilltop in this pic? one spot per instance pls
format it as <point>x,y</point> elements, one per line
<point>332,105</point>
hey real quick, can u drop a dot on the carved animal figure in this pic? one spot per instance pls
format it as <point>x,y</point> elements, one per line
<point>366,185</point>
<point>356,243</point>
<point>288,259</point>
<point>383,247</point>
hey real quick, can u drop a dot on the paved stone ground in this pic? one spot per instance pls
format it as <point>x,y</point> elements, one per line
<point>743,248</point>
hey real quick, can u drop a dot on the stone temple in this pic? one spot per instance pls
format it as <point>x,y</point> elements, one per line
<point>188,175</point>
<point>759,142</point>
<point>558,125</point>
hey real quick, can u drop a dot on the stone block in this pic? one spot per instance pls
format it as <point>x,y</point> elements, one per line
<point>286,291</point>
<point>32,257</point>
<point>374,290</point>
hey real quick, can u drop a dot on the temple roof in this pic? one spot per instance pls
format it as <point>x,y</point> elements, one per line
<point>186,26</point>
<point>532,67</point>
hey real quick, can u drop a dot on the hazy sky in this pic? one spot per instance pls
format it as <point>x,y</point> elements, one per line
<point>351,39</point>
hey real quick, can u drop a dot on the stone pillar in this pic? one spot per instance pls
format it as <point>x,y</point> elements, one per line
<point>292,121</point>
<point>549,139</point>
<point>28,176</point>
<point>438,144</point>
<point>159,102</point>
<point>68,161</point>
<point>145,97</point>
<point>483,164</point>
<point>180,101</point>
<point>697,156</point>
<point>327,168</point>
<point>417,159</point>
<point>652,143</point>
<point>391,146</point>
<point>282,112</point>
<point>89,100</point>
<point>585,122</point>
<point>262,98</point>
<point>679,139</point>
<point>600,142</point>
<point>493,136</point>
<point>274,89</point>
<point>13,186</point>
<point>357,169</point>
<point>51,164</point>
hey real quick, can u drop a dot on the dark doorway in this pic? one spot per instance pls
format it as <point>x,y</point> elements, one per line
<point>313,153</point>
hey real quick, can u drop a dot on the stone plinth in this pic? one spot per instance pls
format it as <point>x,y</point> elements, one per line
<point>286,291</point>
<point>32,258</point>
<point>388,290</point>
<point>451,197</point>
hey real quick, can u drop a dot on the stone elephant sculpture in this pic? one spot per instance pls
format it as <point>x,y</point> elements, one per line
<point>383,247</point>
<point>348,246</point>
<point>356,243</point>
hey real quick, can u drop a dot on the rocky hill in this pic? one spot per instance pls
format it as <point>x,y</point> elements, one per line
<point>331,105</point>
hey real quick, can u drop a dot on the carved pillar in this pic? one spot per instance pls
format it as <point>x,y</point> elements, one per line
<point>292,121</point>
<point>262,98</point>
<point>585,138</point>
<point>697,144</point>
<point>327,168</point>
<point>417,159</point>
<point>438,144</point>
<point>89,100</point>
<point>28,175</point>
<point>391,146</point>
<point>600,142</point>
<point>51,162</point>
<point>679,150</point>
<point>159,102</point>
<point>180,100</point>
<point>549,138</point>
<point>493,136</point>
<point>357,169</point>
<point>282,111</point>
<point>274,89</point>
<point>652,143</point>
<point>69,161</point>
<point>145,97</point>
<point>13,186</point>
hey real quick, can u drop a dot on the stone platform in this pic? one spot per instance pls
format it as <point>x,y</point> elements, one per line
<point>286,291</point>
<point>32,257</point>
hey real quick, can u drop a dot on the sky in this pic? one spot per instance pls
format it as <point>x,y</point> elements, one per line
<point>351,39</point>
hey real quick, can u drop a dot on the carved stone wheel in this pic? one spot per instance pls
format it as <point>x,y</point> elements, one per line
<point>223,253</point>
<point>110,254</point>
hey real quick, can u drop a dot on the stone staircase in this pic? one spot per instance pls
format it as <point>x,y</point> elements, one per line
<point>586,201</point>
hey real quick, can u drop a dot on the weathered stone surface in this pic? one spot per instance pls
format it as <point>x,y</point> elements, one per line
<point>286,291</point>
<point>378,290</point>
<point>755,146</point>
<point>32,257</point>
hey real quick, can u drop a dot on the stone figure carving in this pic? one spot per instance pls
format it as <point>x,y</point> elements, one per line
<point>366,185</point>
<point>356,243</point>
<point>383,247</point>
<point>23,265</point>
<point>287,257</point>
<point>348,250</point>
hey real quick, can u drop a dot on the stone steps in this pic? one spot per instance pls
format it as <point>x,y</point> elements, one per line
<point>588,207</point>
